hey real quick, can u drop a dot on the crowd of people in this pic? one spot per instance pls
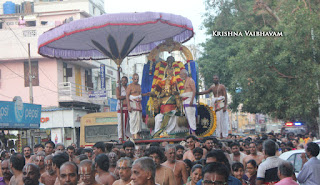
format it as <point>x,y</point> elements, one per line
<point>206,161</point>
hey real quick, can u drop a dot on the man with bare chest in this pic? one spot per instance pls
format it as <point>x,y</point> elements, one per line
<point>17,163</point>
<point>164,175</point>
<point>103,176</point>
<point>50,176</point>
<point>219,102</point>
<point>27,154</point>
<point>87,173</point>
<point>134,97</point>
<point>178,167</point>
<point>124,166</point>
<point>236,155</point>
<point>191,144</point>
<point>189,102</point>
<point>253,155</point>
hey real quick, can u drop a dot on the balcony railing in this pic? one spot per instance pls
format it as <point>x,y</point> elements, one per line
<point>69,92</point>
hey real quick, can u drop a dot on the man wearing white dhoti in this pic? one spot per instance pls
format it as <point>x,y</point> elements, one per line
<point>135,114</point>
<point>219,102</point>
<point>189,102</point>
<point>121,96</point>
<point>222,116</point>
<point>133,97</point>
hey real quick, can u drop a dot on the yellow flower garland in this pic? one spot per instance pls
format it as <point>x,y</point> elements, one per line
<point>159,74</point>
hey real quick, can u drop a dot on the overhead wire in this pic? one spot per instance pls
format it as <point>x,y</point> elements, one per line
<point>6,96</point>
<point>23,78</point>
<point>28,53</point>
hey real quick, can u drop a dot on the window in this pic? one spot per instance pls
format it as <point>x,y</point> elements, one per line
<point>88,79</point>
<point>113,87</point>
<point>31,23</point>
<point>298,163</point>
<point>65,77</point>
<point>34,73</point>
<point>67,72</point>
<point>29,33</point>
<point>93,10</point>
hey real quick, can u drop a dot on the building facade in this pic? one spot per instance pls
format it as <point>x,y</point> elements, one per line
<point>62,87</point>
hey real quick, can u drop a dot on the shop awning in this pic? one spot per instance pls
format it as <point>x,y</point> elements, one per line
<point>18,115</point>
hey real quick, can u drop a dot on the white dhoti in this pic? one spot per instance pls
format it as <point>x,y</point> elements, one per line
<point>172,127</point>
<point>136,114</point>
<point>222,117</point>
<point>125,123</point>
<point>190,110</point>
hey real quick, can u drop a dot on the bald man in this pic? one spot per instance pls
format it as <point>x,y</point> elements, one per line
<point>178,167</point>
<point>6,173</point>
<point>134,98</point>
<point>189,102</point>
<point>87,173</point>
<point>31,174</point>
<point>68,174</point>
<point>124,166</point>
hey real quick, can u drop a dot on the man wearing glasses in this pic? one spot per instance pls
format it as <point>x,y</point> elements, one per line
<point>124,165</point>
<point>87,173</point>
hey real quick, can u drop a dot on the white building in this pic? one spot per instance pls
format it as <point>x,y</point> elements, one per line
<point>93,7</point>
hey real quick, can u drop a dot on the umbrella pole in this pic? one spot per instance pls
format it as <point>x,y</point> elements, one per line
<point>121,104</point>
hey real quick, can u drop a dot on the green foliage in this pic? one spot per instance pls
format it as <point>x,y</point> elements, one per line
<point>276,75</point>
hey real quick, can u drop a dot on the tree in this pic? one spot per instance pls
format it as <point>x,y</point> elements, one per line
<point>276,75</point>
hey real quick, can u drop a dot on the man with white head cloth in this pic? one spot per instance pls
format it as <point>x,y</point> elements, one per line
<point>189,102</point>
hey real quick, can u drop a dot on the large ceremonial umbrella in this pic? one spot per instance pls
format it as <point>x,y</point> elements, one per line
<point>113,36</point>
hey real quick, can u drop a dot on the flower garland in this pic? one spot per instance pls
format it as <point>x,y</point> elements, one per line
<point>213,120</point>
<point>159,75</point>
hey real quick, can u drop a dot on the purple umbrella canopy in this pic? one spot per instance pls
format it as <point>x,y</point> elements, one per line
<point>113,36</point>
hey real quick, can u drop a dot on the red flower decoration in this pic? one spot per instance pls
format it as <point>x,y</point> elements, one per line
<point>179,80</point>
<point>181,87</point>
<point>161,72</point>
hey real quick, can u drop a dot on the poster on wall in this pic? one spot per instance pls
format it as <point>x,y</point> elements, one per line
<point>56,135</point>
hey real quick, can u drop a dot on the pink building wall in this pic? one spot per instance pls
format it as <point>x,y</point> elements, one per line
<point>12,82</point>
<point>13,54</point>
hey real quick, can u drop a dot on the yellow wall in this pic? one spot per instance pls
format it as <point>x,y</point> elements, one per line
<point>78,81</point>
